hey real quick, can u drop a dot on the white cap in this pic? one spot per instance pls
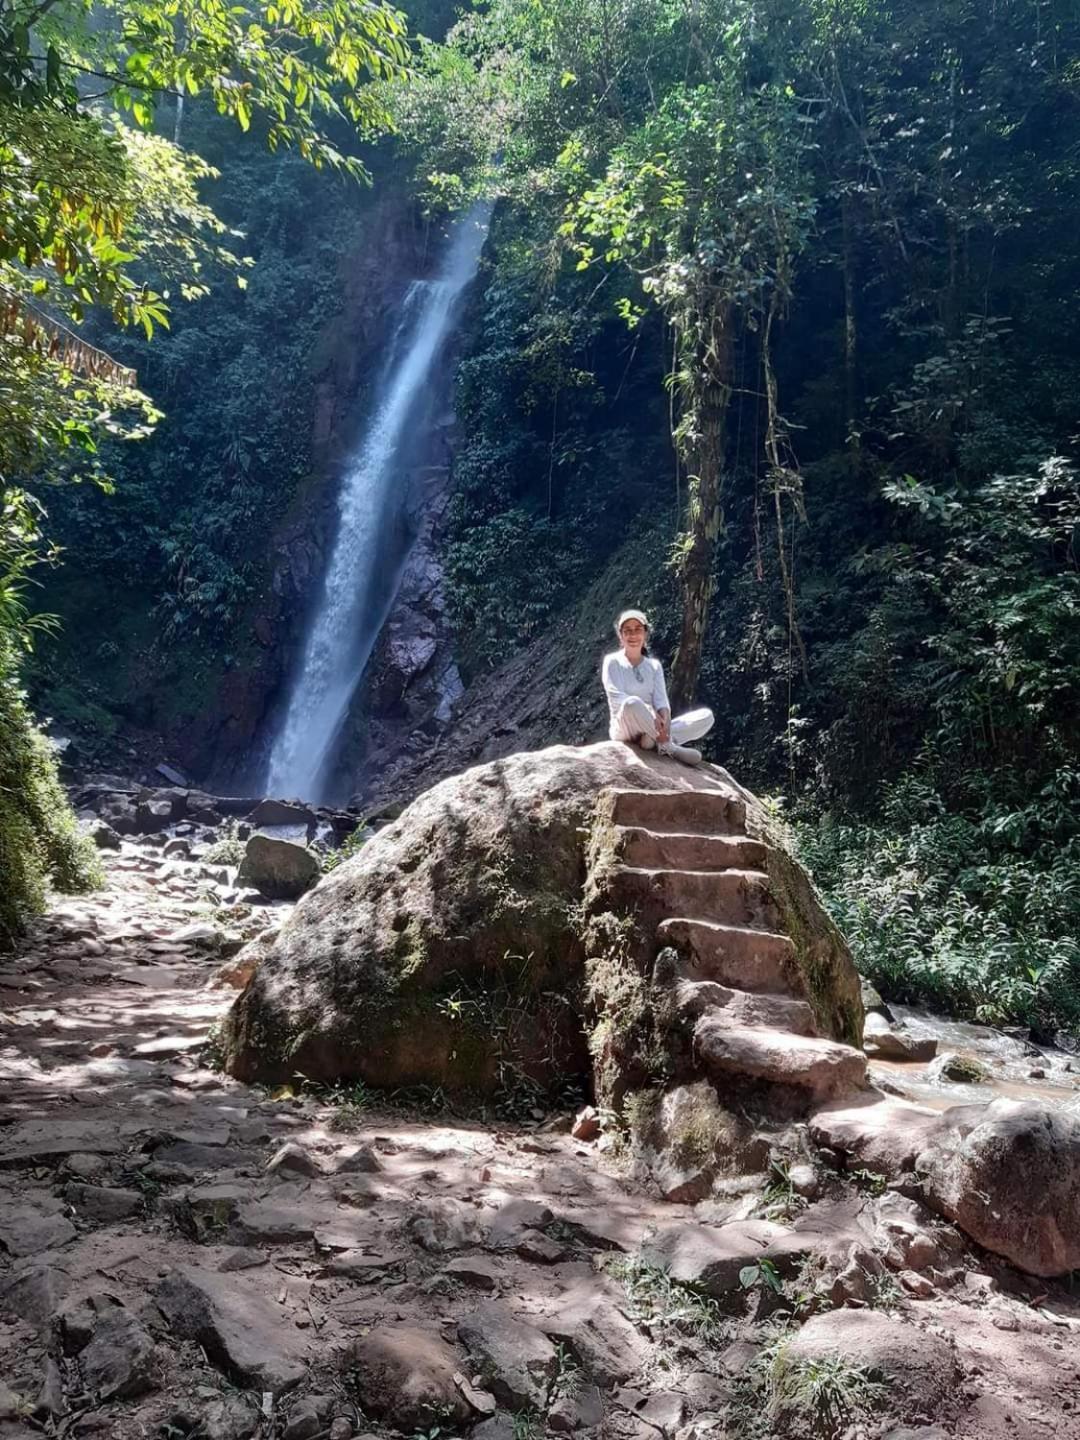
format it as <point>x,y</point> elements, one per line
<point>631,615</point>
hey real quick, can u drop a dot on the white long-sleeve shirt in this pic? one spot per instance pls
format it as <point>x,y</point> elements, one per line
<point>623,681</point>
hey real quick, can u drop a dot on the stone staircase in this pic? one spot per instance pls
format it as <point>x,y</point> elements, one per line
<point>686,864</point>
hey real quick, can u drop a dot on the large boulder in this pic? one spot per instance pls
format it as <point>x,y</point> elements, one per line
<point>916,1371</point>
<point>278,869</point>
<point>1009,1175</point>
<point>491,929</point>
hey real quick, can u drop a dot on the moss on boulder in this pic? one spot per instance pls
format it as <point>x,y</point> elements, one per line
<point>449,947</point>
<point>473,939</point>
<point>40,843</point>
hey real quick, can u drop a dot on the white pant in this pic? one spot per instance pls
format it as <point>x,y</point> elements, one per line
<point>636,717</point>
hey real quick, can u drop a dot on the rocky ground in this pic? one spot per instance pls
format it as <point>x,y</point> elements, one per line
<point>185,1256</point>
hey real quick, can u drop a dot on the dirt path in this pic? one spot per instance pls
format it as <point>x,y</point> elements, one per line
<point>183,1256</point>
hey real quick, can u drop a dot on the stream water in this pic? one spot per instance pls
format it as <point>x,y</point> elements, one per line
<point>1014,1068</point>
<point>371,545</point>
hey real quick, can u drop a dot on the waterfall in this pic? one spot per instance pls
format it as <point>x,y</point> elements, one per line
<point>365,565</point>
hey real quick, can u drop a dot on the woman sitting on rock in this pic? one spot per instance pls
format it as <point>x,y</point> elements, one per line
<point>638,700</point>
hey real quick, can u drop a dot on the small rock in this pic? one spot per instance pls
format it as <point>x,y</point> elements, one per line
<point>35,1294</point>
<point>12,1406</point>
<point>207,1212</point>
<point>229,1418</point>
<point>920,1368</point>
<point>562,1416</point>
<point>103,835</point>
<point>586,1124</point>
<point>539,1248</point>
<point>805,1181</point>
<point>101,1203</point>
<point>666,1411</point>
<point>77,1321</point>
<point>879,1038</point>
<point>200,933</point>
<point>50,1399</point>
<point>119,1360</point>
<point>295,1159</point>
<point>961,1069</point>
<point>478,1273</point>
<point>233,1325</point>
<point>243,1258</point>
<point>264,1222</point>
<point>282,812</point>
<point>362,1160</point>
<point>739,1356</point>
<point>84,1165</point>
<point>367,1269</point>
<point>871,999</point>
<point>307,1417</point>
<point>26,1231</point>
<point>590,1404</point>
<point>151,813</point>
<point>588,1320</point>
<point>341,1429</point>
<point>443,1225</point>
<point>917,1285</point>
<point>704,1391</point>
<point>513,1219</point>
<point>516,1361</point>
<point>481,1401</point>
<point>43,1142</point>
<point>178,848</point>
<point>499,1427</point>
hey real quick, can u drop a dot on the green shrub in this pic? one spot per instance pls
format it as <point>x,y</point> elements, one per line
<point>228,848</point>
<point>973,910</point>
<point>350,846</point>
<point>39,839</point>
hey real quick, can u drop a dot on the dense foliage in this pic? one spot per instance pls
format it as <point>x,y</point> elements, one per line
<point>796,276</point>
<point>893,634</point>
<point>100,213</point>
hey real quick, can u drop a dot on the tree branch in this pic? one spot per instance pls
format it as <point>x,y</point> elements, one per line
<point>112,78</point>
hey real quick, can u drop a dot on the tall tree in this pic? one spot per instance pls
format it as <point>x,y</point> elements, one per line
<point>93,202</point>
<point>667,143</point>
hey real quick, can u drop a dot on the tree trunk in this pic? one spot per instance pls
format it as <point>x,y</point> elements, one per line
<point>708,399</point>
<point>851,359</point>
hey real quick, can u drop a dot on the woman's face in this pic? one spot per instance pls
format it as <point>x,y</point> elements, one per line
<point>632,636</point>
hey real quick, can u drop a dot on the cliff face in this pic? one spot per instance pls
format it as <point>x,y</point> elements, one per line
<point>392,246</point>
<point>412,681</point>
<point>548,693</point>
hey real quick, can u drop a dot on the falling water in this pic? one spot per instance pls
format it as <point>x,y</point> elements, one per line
<point>359,586</point>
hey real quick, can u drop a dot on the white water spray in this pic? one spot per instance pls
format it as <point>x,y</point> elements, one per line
<point>357,591</point>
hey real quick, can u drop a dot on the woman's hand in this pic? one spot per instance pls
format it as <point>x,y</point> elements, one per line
<point>663,727</point>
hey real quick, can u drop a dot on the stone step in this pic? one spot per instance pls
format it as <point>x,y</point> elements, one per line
<point>735,897</point>
<point>698,998</point>
<point>748,959</point>
<point>698,812</point>
<point>652,849</point>
<point>823,1067</point>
